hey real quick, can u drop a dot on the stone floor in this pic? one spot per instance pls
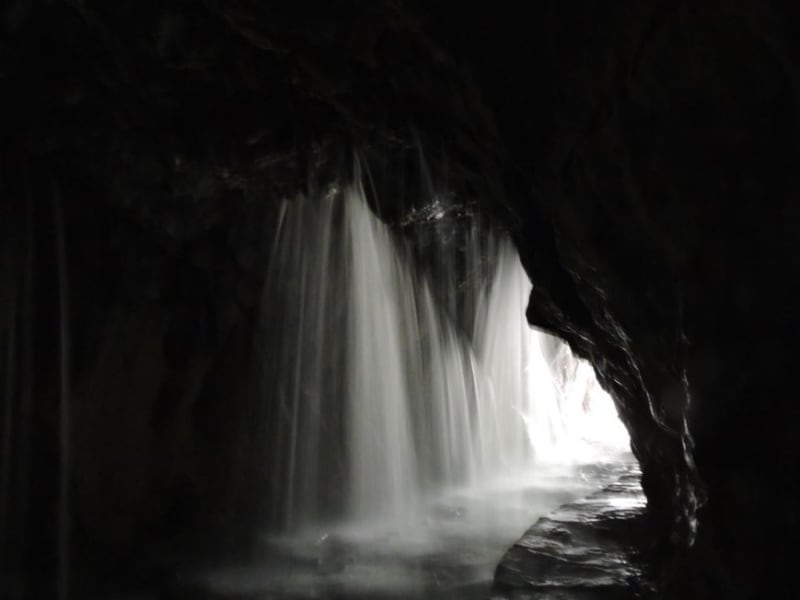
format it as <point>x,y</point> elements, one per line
<point>586,550</point>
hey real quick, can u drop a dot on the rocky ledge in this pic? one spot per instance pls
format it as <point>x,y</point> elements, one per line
<point>590,549</point>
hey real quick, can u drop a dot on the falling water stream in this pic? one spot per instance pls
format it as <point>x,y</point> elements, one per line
<point>416,435</point>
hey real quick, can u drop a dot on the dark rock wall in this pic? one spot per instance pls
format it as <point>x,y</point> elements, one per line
<point>663,165</point>
<point>160,356</point>
<point>650,148</point>
<point>642,153</point>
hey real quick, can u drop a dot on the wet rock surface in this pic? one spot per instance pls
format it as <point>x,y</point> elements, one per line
<point>591,549</point>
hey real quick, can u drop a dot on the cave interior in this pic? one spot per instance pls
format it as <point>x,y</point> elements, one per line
<point>641,155</point>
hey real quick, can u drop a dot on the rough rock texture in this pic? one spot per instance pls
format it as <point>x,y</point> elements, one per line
<point>591,549</point>
<point>642,153</point>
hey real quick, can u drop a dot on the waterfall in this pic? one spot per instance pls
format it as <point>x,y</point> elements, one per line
<point>304,325</point>
<point>382,456</point>
<point>392,382</point>
<point>506,347</point>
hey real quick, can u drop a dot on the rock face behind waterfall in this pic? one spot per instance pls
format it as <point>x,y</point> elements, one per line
<point>642,153</point>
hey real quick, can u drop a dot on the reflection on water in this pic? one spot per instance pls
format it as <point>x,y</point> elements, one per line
<point>449,550</point>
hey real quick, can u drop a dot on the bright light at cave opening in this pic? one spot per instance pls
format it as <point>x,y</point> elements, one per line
<point>582,423</point>
<point>592,424</point>
<point>568,416</point>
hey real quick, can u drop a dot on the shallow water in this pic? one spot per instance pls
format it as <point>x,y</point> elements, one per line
<point>449,549</point>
